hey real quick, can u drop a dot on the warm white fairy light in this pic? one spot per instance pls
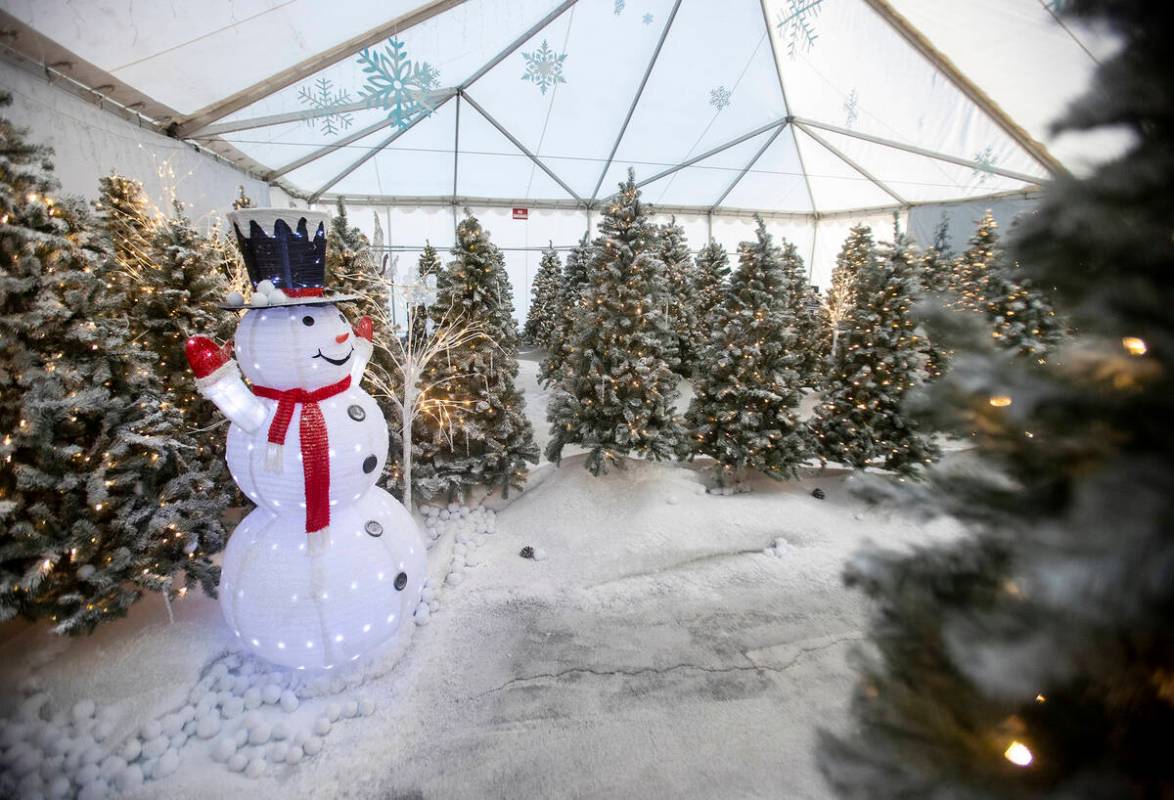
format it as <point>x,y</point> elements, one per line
<point>1018,754</point>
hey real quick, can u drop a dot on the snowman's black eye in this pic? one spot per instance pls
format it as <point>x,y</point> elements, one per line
<point>342,317</point>
<point>401,581</point>
<point>307,320</point>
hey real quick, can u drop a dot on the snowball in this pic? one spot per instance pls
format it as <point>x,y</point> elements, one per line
<point>168,763</point>
<point>271,694</point>
<point>366,707</point>
<point>322,726</point>
<point>187,713</point>
<point>242,736</point>
<point>351,708</point>
<point>234,707</point>
<point>289,701</point>
<point>333,712</point>
<point>256,768</point>
<point>294,755</point>
<point>178,740</point>
<point>83,709</point>
<point>131,748</point>
<point>672,499</point>
<point>59,787</point>
<point>224,748</point>
<point>92,755</point>
<point>94,791</point>
<point>252,697</point>
<point>266,286</point>
<point>280,731</point>
<point>472,560</point>
<point>277,752</point>
<point>129,779</point>
<point>539,554</point>
<point>151,729</point>
<point>455,577</point>
<point>87,775</point>
<point>259,733</point>
<point>235,299</point>
<point>427,594</point>
<point>103,730</point>
<point>172,724</point>
<point>313,746</point>
<point>237,762</point>
<point>111,766</point>
<point>51,767</point>
<point>154,748</point>
<point>259,300</point>
<point>208,726</point>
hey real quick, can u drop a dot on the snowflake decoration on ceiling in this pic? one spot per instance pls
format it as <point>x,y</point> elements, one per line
<point>544,67</point>
<point>719,98</point>
<point>648,19</point>
<point>322,96</point>
<point>798,25</point>
<point>851,113</point>
<point>403,88</point>
<point>619,7</point>
<point>985,162</point>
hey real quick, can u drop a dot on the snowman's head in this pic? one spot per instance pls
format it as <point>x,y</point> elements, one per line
<point>295,347</point>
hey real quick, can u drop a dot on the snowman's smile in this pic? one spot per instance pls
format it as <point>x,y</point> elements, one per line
<point>338,362</point>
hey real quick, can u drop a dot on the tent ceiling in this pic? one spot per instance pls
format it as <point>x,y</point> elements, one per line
<point>784,106</point>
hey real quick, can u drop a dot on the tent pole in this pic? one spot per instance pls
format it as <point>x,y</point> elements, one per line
<point>971,90</point>
<point>287,77</point>
<point>786,103</point>
<point>757,155</point>
<point>635,100</point>
<point>851,163</point>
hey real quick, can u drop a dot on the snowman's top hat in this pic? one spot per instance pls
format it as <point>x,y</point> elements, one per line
<point>288,266</point>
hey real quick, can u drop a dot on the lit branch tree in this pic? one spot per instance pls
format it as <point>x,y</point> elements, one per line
<point>617,388</point>
<point>747,386</point>
<point>122,207</point>
<point>1032,658</point>
<point>881,358</point>
<point>489,440</point>
<point>98,501</point>
<point>544,307</point>
<point>858,251</point>
<point>570,302</point>
<point>679,277</point>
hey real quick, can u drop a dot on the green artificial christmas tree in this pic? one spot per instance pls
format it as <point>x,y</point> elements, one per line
<point>881,359</point>
<point>1034,657</point>
<point>570,301</point>
<point>489,441</point>
<point>938,260</point>
<point>743,415</point>
<point>806,313</point>
<point>242,200</point>
<point>428,266</point>
<point>544,308</point>
<point>679,276</point>
<point>122,206</point>
<point>99,499</point>
<point>346,245</point>
<point>616,393</point>
<point>709,288</point>
<point>857,251</point>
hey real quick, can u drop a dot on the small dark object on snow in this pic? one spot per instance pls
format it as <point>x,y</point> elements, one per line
<point>527,552</point>
<point>818,493</point>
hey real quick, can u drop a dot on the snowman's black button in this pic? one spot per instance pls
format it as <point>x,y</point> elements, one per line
<point>356,413</point>
<point>373,528</point>
<point>401,581</point>
<point>369,463</point>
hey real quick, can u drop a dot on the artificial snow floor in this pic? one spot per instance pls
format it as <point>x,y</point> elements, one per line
<point>666,643</point>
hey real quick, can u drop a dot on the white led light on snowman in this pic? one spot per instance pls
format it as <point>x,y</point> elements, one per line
<point>328,565</point>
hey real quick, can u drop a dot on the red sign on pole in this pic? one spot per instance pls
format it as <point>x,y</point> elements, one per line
<point>521,213</point>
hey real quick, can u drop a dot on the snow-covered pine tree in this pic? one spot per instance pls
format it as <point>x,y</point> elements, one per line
<point>984,280</point>
<point>345,245</point>
<point>938,260</point>
<point>427,265</point>
<point>1031,658</point>
<point>122,205</point>
<point>490,442</point>
<point>544,307</point>
<point>861,421</point>
<point>858,250</point>
<point>98,503</point>
<point>709,288</point>
<point>570,301</point>
<point>810,328</point>
<point>679,276</point>
<point>616,393</point>
<point>747,386</point>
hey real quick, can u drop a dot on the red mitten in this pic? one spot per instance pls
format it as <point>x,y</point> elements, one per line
<point>365,328</point>
<point>204,356</point>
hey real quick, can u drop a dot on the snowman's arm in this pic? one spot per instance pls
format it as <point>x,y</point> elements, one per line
<point>364,348</point>
<point>219,379</point>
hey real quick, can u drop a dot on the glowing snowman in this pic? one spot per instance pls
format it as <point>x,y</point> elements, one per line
<point>328,565</point>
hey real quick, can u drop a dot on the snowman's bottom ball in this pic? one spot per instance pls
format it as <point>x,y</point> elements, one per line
<point>318,605</point>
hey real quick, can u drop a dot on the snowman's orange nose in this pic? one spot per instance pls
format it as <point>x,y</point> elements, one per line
<point>342,337</point>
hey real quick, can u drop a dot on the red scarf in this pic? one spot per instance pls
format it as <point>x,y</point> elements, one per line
<point>315,445</point>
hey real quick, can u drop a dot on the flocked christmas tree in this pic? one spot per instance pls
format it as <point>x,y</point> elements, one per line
<point>881,359</point>
<point>679,278</point>
<point>574,281</point>
<point>747,384</point>
<point>857,251</point>
<point>1032,658</point>
<point>617,388</point>
<point>489,441</point>
<point>98,500</point>
<point>807,317</point>
<point>428,266</point>
<point>545,312</point>
<point>938,259</point>
<point>345,244</point>
<point>709,287</point>
<point>122,205</point>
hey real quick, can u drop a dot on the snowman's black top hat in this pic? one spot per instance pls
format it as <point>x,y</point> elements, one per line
<point>285,268</point>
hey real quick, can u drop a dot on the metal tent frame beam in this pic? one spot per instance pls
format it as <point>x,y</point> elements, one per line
<point>779,123</point>
<point>274,83</point>
<point>774,54</point>
<point>664,34</point>
<point>852,163</point>
<point>757,155</point>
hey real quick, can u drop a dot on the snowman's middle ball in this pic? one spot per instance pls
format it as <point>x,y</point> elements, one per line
<point>305,347</point>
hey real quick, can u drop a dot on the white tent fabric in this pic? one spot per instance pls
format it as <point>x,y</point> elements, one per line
<point>807,107</point>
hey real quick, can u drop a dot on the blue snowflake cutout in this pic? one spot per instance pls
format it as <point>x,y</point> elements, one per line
<point>619,7</point>
<point>851,112</point>
<point>544,67</point>
<point>719,98</point>
<point>322,96</point>
<point>406,90</point>
<point>648,18</point>
<point>984,162</point>
<point>797,27</point>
